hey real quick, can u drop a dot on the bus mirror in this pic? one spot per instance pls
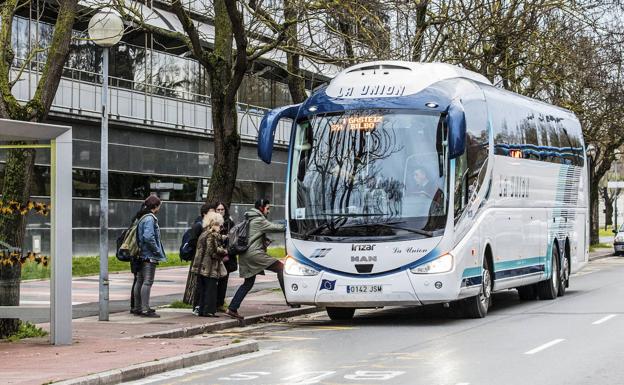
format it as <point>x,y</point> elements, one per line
<point>456,123</point>
<point>266,133</point>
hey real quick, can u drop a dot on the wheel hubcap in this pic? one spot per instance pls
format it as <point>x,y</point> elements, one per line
<point>486,289</point>
<point>555,274</point>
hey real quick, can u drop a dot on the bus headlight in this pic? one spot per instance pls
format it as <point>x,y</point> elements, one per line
<point>442,264</point>
<point>292,267</point>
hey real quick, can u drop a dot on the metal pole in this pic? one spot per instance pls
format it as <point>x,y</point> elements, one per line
<point>104,193</point>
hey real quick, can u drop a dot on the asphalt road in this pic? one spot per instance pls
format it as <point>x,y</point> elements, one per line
<point>576,339</point>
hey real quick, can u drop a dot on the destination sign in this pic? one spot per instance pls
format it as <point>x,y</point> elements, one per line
<point>357,123</point>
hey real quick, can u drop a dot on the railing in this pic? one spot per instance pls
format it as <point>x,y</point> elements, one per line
<point>79,93</point>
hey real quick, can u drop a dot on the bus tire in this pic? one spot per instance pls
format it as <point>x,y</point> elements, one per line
<point>340,313</point>
<point>549,289</point>
<point>527,293</point>
<point>477,306</point>
<point>564,274</point>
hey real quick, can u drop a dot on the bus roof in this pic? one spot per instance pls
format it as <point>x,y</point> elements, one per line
<point>394,78</point>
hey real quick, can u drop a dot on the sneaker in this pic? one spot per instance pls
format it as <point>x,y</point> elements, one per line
<point>135,312</point>
<point>233,314</point>
<point>150,314</point>
<point>196,311</point>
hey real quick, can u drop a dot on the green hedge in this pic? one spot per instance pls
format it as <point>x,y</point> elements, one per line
<point>82,266</point>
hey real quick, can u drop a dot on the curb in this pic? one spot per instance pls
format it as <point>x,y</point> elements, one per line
<point>232,323</point>
<point>604,254</point>
<point>138,371</point>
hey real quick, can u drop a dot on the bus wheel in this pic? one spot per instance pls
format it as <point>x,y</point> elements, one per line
<point>528,293</point>
<point>477,306</point>
<point>548,289</point>
<point>564,276</point>
<point>340,313</point>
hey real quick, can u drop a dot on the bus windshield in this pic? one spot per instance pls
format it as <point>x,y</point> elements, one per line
<point>368,173</point>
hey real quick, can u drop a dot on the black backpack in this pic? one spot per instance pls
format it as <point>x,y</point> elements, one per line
<point>189,245</point>
<point>187,251</point>
<point>238,238</point>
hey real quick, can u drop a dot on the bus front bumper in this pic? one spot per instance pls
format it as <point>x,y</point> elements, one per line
<point>397,289</point>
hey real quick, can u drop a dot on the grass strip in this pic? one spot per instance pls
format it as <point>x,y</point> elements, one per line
<point>83,266</point>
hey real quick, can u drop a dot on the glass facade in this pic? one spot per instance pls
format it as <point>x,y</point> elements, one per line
<point>176,168</point>
<point>141,68</point>
<point>173,164</point>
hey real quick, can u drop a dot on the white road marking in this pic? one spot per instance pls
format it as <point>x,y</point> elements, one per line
<point>203,367</point>
<point>604,319</point>
<point>308,377</point>
<point>374,375</point>
<point>545,346</point>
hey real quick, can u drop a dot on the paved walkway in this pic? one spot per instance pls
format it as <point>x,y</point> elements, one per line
<point>168,287</point>
<point>101,346</point>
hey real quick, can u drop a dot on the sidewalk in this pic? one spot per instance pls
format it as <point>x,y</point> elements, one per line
<point>168,286</point>
<point>600,253</point>
<point>152,345</point>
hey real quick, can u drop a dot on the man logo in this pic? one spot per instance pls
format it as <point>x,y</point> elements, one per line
<point>364,258</point>
<point>328,285</point>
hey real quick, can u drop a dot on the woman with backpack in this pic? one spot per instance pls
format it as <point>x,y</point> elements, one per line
<point>208,264</point>
<point>151,253</point>
<point>231,264</point>
<point>255,260</point>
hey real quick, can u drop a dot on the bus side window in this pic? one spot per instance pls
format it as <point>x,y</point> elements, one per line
<point>461,185</point>
<point>472,165</point>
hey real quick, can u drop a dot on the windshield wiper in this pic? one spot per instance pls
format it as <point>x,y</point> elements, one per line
<point>389,225</point>
<point>393,225</point>
<point>334,223</point>
<point>328,224</point>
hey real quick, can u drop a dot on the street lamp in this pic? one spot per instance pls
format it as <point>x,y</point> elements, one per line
<point>105,29</point>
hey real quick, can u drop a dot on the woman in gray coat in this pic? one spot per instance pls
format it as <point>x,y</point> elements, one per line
<point>255,260</point>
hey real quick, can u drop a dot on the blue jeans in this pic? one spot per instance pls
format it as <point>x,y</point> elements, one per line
<point>143,286</point>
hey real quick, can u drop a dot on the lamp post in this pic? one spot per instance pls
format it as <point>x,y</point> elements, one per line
<point>105,29</point>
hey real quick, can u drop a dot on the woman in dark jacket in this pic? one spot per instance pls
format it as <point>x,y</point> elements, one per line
<point>208,264</point>
<point>230,261</point>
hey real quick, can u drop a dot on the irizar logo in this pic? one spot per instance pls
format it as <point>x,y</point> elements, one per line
<point>364,258</point>
<point>363,247</point>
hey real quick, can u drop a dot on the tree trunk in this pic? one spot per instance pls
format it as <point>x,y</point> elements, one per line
<point>17,177</point>
<point>296,81</point>
<point>609,212</point>
<point>226,147</point>
<point>608,203</point>
<point>20,163</point>
<point>594,238</point>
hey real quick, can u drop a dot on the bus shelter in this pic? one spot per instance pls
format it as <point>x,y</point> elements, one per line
<point>58,139</point>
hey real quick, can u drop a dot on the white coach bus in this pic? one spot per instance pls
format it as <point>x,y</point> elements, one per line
<point>414,184</point>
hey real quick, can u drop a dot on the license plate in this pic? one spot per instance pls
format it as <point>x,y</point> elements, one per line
<point>364,289</point>
<point>619,248</point>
